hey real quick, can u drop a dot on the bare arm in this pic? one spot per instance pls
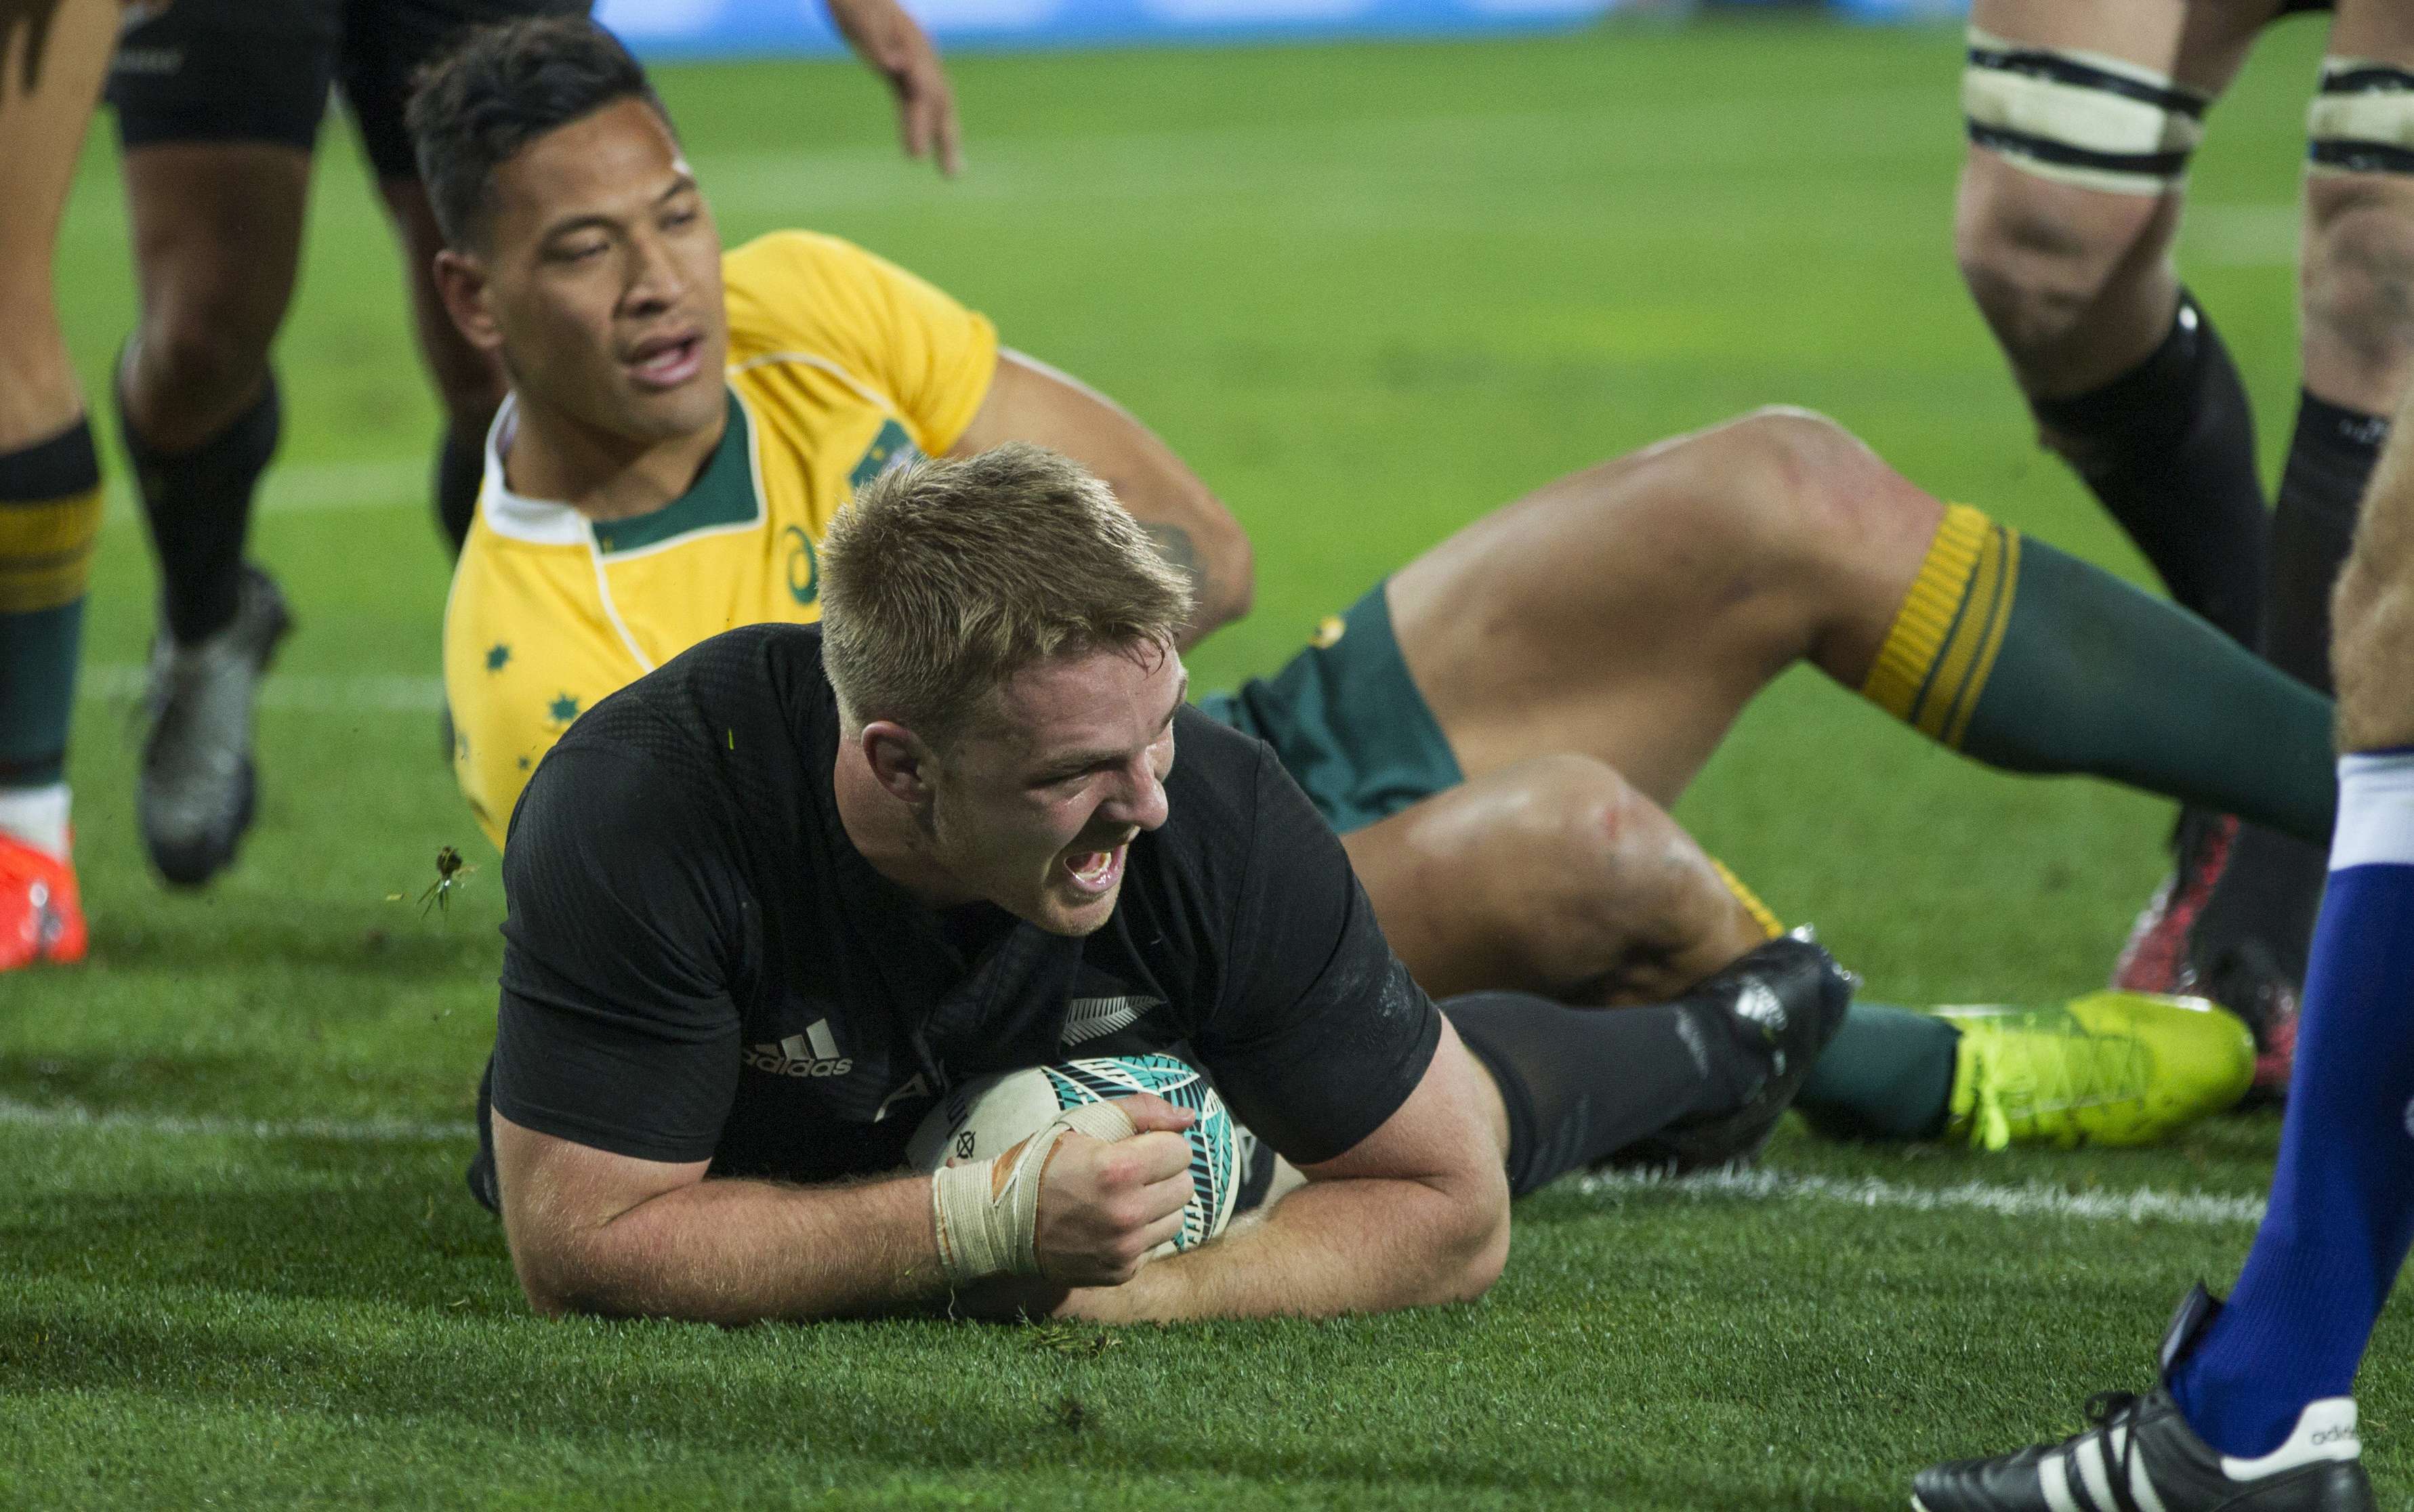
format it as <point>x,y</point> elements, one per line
<point>595,1232</point>
<point>1029,401</point>
<point>1416,1213</point>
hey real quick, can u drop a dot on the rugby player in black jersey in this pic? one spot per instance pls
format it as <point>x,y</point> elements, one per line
<point>219,104</point>
<point>904,841</point>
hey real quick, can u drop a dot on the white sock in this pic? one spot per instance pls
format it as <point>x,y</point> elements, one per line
<point>38,817</point>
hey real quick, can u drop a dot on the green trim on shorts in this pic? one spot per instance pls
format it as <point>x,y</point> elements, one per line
<point>1346,721</point>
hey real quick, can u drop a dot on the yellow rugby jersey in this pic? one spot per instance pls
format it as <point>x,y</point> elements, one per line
<point>841,366</point>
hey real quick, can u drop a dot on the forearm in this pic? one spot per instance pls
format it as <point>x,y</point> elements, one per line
<point>1363,1245</point>
<point>736,1252</point>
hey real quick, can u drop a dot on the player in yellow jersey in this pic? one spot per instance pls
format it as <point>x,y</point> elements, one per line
<point>1497,729</point>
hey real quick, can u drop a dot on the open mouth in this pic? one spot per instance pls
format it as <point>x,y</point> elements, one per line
<point>1095,872</point>
<point>666,364</point>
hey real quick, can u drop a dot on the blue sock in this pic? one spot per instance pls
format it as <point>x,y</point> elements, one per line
<point>2341,1211</point>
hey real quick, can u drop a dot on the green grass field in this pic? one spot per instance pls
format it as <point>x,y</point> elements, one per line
<point>1370,291</point>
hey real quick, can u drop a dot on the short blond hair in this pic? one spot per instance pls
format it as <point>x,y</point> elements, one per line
<point>944,579</point>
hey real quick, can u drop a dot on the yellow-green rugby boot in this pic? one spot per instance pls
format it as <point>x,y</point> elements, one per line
<point>2111,1068</point>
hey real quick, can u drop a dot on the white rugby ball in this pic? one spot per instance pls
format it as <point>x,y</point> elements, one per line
<point>990,1115</point>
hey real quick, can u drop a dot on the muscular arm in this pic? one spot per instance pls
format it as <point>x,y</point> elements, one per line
<point>1416,1213</point>
<point>594,1232</point>
<point>1029,401</point>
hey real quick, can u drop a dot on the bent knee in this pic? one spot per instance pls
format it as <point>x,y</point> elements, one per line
<point>188,358</point>
<point>1800,489</point>
<point>2359,278</point>
<point>1597,852</point>
<point>2039,256</point>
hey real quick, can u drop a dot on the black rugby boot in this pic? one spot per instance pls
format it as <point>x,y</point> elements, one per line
<point>1772,1012</point>
<point>2140,1456</point>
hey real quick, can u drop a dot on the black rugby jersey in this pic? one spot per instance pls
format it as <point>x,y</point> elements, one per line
<point>699,964</point>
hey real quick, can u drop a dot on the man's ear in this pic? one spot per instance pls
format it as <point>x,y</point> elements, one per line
<point>461,280</point>
<point>900,761</point>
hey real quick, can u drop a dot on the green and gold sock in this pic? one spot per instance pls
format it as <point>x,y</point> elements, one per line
<point>2032,660</point>
<point>50,518</point>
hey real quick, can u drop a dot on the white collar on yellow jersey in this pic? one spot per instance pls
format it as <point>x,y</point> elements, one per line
<point>540,522</point>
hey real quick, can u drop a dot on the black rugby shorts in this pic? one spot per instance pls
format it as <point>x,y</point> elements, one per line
<point>259,70</point>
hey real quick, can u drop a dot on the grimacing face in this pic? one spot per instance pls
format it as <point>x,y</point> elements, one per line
<point>1035,809</point>
<point>602,278</point>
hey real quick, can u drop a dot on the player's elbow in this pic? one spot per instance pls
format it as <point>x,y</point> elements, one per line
<point>1237,590</point>
<point>1226,580</point>
<point>1473,1238</point>
<point>546,1281</point>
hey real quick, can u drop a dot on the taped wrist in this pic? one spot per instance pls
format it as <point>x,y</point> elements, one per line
<point>987,1212</point>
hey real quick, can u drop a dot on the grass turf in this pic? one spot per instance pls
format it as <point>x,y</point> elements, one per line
<point>1370,291</point>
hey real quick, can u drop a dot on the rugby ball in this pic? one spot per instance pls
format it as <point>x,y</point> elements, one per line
<point>990,1115</point>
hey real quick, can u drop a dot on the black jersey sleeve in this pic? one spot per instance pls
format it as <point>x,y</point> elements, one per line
<point>617,1027</point>
<point>1320,1033</point>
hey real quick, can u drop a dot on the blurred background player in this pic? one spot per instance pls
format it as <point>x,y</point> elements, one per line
<point>1497,730</point>
<point>53,53</point>
<point>2081,119</point>
<point>2251,1408</point>
<point>219,106</point>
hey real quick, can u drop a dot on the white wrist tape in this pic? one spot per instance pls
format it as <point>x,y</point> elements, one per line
<point>987,1212</point>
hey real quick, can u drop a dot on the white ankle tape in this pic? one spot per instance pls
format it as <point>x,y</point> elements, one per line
<point>987,1212</point>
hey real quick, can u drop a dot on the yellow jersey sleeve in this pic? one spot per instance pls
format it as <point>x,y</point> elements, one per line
<point>799,293</point>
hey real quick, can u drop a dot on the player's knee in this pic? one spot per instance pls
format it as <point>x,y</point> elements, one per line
<point>2358,277</point>
<point>190,361</point>
<point>2037,257</point>
<point>1807,488</point>
<point>1586,838</point>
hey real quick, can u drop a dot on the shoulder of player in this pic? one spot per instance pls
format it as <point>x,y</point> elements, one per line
<point>1211,797</point>
<point>779,288</point>
<point>736,691</point>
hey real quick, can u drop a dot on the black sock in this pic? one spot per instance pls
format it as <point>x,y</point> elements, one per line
<point>460,471</point>
<point>199,505</point>
<point>1580,1084</point>
<point>2330,459</point>
<point>2169,447</point>
<point>2271,886</point>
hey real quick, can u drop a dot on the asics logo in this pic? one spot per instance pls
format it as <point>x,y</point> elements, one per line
<point>813,1053</point>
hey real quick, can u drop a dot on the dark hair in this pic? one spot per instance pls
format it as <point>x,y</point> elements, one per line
<point>502,87</point>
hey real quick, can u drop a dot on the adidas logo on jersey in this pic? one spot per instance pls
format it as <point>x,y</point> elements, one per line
<point>813,1053</point>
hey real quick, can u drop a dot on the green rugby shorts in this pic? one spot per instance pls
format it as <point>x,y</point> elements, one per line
<point>1346,721</point>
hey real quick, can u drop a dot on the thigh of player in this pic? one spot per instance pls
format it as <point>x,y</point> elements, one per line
<point>219,104</point>
<point>51,67</point>
<point>1628,613</point>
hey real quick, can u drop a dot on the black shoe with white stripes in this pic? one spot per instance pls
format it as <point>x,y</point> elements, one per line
<point>2140,1456</point>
